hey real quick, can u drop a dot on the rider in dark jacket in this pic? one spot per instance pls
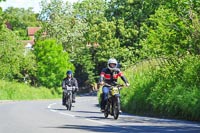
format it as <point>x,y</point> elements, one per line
<point>69,81</point>
<point>110,75</point>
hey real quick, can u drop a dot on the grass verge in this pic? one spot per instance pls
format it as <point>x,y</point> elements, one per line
<point>20,91</point>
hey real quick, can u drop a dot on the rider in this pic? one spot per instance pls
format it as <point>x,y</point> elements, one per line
<point>69,81</point>
<point>110,75</point>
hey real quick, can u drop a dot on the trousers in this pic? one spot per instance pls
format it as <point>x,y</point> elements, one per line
<point>104,96</point>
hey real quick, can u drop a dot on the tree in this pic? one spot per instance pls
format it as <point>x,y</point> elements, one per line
<point>68,28</point>
<point>1,18</point>
<point>10,53</point>
<point>20,19</point>
<point>129,16</point>
<point>13,61</point>
<point>163,38</point>
<point>62,24</point>
<point>109,45</point>
<point>52,63</point>
<point>172,30</point>
<point>1,14</point>
<point>90,13</point>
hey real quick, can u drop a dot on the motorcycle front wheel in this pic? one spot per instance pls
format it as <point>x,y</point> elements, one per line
<point>66,102</point>
<point>70,102</point>
<point>106,112</point>
<point>115,109</point>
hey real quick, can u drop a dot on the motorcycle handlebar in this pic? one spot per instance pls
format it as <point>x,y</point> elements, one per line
<point>69,87</point>
<point>117,85</point>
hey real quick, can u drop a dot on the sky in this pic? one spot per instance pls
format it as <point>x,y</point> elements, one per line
<point>25,4</point>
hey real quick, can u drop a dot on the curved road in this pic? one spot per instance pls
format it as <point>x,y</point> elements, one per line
<point>49,116</point>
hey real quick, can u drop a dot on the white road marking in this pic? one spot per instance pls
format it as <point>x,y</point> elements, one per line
<point>67,114</point>
<point>49,107</point>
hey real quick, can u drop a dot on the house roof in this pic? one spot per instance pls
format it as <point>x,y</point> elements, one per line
<point>33,30</point>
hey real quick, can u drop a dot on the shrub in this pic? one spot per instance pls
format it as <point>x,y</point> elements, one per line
<point>171,90</point>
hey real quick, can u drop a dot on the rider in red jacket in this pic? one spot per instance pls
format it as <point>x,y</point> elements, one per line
<point>110,75</point>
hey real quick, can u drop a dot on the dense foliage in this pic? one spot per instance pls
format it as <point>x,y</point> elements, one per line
<point>168,91</point>
<point>15,61</point>
<point>20,19</point>
<point>171,34</point>
<point>52,63</point>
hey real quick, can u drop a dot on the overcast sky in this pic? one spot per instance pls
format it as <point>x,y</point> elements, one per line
<point>25,4</point>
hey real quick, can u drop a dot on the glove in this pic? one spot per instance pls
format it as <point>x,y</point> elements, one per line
<point>127,84</point>
<point>101,83</point>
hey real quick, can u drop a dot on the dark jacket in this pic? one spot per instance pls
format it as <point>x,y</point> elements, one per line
<point>69,82</point>
<point>110,77</point>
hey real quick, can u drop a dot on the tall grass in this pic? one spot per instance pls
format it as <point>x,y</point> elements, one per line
<point>170,90</point>
<point>21,91</point>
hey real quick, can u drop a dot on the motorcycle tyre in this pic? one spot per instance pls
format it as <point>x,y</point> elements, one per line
<point>106,113</point>
<point>115,110</point>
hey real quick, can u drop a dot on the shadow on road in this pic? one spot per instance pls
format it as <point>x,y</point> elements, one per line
<point>60,109</point>
<point>89,112</point>
<point>133,129</point>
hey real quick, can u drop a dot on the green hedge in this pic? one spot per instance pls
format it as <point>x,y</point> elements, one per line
<point>172,90</point>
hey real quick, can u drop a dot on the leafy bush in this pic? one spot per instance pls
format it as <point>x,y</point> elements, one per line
<point>171,90</point>
<point>52,63</point>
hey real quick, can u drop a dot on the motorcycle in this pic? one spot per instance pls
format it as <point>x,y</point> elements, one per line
<point>112,106</point>
<point>68,96</point>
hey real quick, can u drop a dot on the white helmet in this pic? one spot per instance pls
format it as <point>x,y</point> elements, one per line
<point>112,61</point>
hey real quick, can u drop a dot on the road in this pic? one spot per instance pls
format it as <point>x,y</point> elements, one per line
<point>49,116</point>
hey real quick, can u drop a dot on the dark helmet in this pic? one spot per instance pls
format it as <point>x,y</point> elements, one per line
<point>69,72</point>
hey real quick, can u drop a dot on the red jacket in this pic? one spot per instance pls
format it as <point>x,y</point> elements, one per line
<point>110,77</point>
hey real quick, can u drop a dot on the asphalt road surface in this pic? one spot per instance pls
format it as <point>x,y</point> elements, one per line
<point>49,116</point>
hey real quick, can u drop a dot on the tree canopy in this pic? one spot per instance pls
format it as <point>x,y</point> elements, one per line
<point>20,19</point>
<point>14,62</point>
<point>52,63</point>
